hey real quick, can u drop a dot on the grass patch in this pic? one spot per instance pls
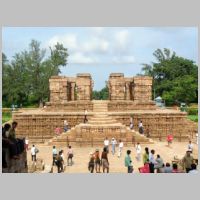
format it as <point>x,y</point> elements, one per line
<point>193,118</point>
<point>6,116</point>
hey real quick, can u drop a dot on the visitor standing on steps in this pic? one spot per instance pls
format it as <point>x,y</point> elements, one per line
<point>121,145</point>
<point>104,160</point>
<point>138,151</point>
<point>113,143</point>
<point>65,125</point>
<point>141,128</point>
<point>54,153</point>
<point>106,144</point>
<point>85,116</point>
<point>128,162</point>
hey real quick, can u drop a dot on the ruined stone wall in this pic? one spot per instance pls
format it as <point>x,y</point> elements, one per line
<point>41,127</point>
<point>115,106</point>
<point>161,124</point>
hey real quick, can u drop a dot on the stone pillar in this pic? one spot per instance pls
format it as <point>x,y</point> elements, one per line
<point>142,88</point>
<point>58,89</point>
<point>84,86</point>
<point>117,86</point>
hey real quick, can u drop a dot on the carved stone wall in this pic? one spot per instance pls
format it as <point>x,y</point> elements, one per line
<point>136,88</point>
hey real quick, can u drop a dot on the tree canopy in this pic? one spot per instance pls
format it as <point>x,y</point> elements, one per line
<point>26,77</point>
<point>174,78</point>
<point>103,94</point>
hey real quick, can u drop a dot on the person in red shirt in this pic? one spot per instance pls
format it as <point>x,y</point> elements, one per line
<point>169,139</point>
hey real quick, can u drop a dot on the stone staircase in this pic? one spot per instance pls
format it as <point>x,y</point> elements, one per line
<point>99,126</point>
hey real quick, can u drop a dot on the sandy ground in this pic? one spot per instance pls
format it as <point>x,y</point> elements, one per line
<point>81,156</point>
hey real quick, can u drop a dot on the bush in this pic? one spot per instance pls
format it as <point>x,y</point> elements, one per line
<point>192,111</point>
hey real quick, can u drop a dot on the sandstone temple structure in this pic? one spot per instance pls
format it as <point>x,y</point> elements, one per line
<point>128,97</point>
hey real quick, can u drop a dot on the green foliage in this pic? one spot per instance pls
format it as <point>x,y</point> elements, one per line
<point>193,118</point>
<point>103,94</point>
<point>192,111</point>
<point>174,78</point>
<point>26,77</point>
<point>6,116</point>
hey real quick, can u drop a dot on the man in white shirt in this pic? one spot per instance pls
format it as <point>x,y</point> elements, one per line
<point>121,145</point>
<point>33,153</point>
<point>26,143</point>
<point>152,161</point>
<point>138,151</point>
<point>113,143</point>
<point>106,144</point>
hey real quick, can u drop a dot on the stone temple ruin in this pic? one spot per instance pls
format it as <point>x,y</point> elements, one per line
<point>128,96</point>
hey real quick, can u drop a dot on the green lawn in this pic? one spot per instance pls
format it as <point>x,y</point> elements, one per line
<point>193,117</point>
<point>6,116</point>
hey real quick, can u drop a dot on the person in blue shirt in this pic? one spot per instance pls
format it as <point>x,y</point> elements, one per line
<point>128,162</point>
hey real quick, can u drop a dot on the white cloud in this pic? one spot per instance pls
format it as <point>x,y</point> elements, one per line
<point>127,59</point>
<point>69,41</point>
<point>97,30</point>
<point>122,39</point>
<point>95,45</point>
<point>79,58</point>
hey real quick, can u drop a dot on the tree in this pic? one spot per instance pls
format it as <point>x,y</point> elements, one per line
<point>27,76</point>
<point>174,78</point>
<point>103,94</point>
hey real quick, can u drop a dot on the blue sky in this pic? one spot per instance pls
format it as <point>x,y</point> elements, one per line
<point>103,50</point>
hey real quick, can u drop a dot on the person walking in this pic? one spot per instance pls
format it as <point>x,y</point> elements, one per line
<point>128,162</point>
<point>113,143</point>
<point>59,162</point>
<point>121,145</point>
<point>138,151</point>
<point>54,154</point>
<point>97,161</point>
<point>91,163</point>
<point>169,139</point>
<point>70,155</point>
<point>106,144</point>
<point>33,153</point>
<point>104,160</point>
<point>187,161</point>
